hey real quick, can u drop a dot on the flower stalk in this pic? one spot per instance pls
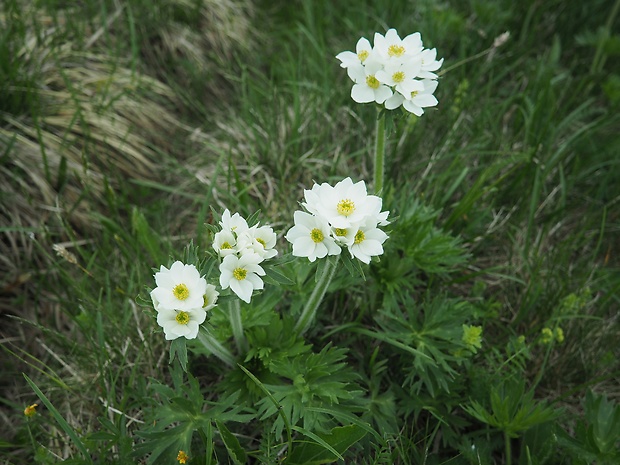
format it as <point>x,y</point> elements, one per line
<point>322,283</point>
<point>215,347</point>
<point>379,153</point>
<point>234,315</point>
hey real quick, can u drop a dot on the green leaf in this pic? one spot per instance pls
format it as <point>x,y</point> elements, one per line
<point>237,454</point>
<point>327,448</point>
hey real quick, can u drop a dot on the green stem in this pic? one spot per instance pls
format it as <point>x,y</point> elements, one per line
<point>379,153</point>
<point>322,283</point>
<point>508,460</point>
<point>237,326</point>
<point>215,347</point>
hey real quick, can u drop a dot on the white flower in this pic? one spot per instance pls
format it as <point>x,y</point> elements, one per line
<point>367,242</point>
<point>392,49</point>
<point>260,240</point>
<point>429,63</point>
<point>181,287</point>
<point>242,274</point>
<point>225,242</point>
<point>209,299</point>
<point>362,56</point>
<point>401,76</point>
<point>344,236</point>
<point>177,323</point>
<point>346,203</point>
<point>363,50</point>
<point>311,237</point>
<point>418,100</point>
<point>235,223</point>
<point>367,87</point>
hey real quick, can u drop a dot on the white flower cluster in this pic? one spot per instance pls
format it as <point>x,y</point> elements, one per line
<point>339,216</point>
<point>394,72</point>
<point>242,249</point>
<point>181,299</point>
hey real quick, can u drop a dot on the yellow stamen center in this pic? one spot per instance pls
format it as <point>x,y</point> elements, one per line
<point>181,291</point>
<point>226,245</point>
<point>340,232</point>
<point>398,76</point>
<point>414,93</point>
<point>359,237</point>
<point>240,274</point>
<point>182,317</point>
<point>261,242</point>
<point>396,50</point>
<point>205,301</point>
<point>317,235</point>
<point>345,207</point>
<point>372,82</point>
<point>363,55</point>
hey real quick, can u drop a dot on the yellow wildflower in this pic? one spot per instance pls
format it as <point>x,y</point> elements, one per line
<point>31,410</point>
<point>559,335</point>
<point>182,457</point>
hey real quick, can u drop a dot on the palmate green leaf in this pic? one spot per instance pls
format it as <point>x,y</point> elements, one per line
<point>513,411</point>
<point>339,439</point>
<point>603,417</point>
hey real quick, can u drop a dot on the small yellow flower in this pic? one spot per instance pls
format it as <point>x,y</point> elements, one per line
<point>546,336</point>
<point>559,335</point>
<point>472,337</point>
<point>521,339</point>
<point>31,410</point>
<point>182,457</point>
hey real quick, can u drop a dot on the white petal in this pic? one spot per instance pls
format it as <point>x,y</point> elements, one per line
<point>362,94</point>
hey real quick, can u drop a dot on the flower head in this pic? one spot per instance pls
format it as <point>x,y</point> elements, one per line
<point>419,98</point>
<point>31,410</point>
<point>260,240</point>
<point>234,222</point>
<point>311,237</point>
<point>367,242</point>
<point>182,457</point>
<point>177,323</point>
<point>181,287</point>
<point>346,203</point>
<point>242,274</point>
<point>209,299</point>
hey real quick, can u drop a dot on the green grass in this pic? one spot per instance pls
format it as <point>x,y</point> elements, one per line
<point>119,141</point>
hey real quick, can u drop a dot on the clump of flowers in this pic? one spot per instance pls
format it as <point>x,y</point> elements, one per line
<point>242,249</point>
<point>393,72</point>
<point>181,299</point>
<point>339,216</point>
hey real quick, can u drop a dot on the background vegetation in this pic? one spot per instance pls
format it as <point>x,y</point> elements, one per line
<point>123,123</point>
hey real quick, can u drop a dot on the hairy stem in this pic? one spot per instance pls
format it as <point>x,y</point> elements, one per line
<point>237,326</point>
<point>508,460</point>
<point>215,347</point>
<point>322,283</point>
<point>379,153</point>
